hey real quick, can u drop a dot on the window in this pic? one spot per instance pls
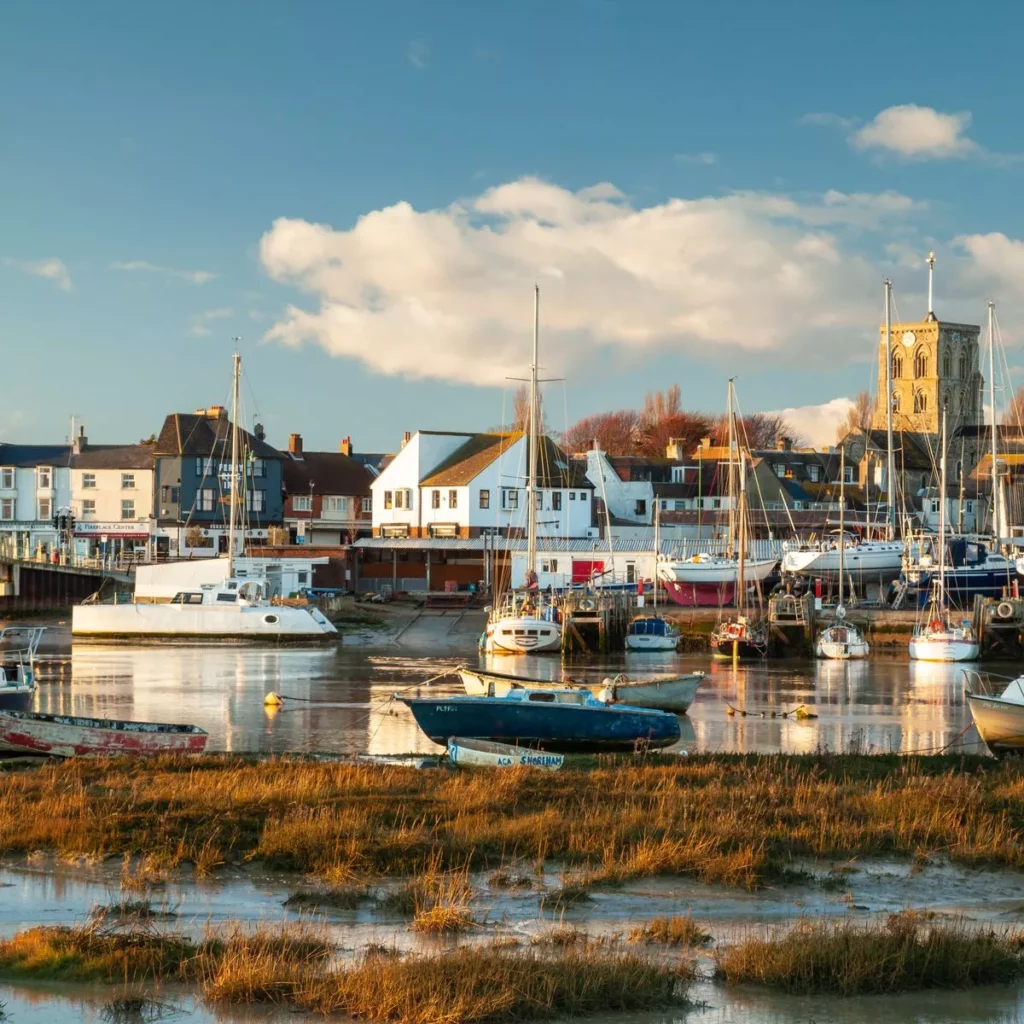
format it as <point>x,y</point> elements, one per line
<point>45,509</point>
<point>538,500</point>
<point>45,477</point>
<point>302,578</point>
<point>258,501</point>
<point>965,363</point>
<point>678,506</point>
<point>88,508</point>
<point>403,498</point>
<point>641,507</point>
<point>510,498</point>
<point>631,572</point>
<point>127,481</point>
<point>849,474</point>
<point>572,495</point>
<point>205,499</point>
<point>204,467</point>
<point>368,504</point>
<point>969,507</point>
<point>7,509</point>
<point>583,495</point>
<point>935,505</point>
<point>435,499</point>
<point>170,495</point>
<point>453,499</point>
<point>920,401</point>
<point>302,503</point>
<point>679,474</point>
<point>550,565</point>
<point>556,501</point>
<point>920,363</point>
<point>485,499</point>
<point>895,401</point>
<point>227,598</point>
<point>389,499</point>
<point>814,473</point>
<point>88,481</point>
<point>336,503</point>
<point>897,365</point>
<point>7,478</point>
<point>780,470</point>
<point>947,364</point>
<point>259,468</point>
<point>128,508</point>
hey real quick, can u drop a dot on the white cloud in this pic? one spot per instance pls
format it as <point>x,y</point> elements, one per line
<point>419,54</point>
<point>829,121</point>
<point>696,158</point>
<point>53,269</point>
<point>917,133</point>
<point>447,293</point>
<point>818,424</point>
<point>143,266</point>
<point>199,328</point>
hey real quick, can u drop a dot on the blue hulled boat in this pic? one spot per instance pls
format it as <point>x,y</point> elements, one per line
<point>559,720</point>
<point>972,570</point>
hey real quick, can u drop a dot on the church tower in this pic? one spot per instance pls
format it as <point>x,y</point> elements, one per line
<point>934,364</point>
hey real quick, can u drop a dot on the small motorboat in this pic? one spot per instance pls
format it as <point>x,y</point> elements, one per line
<point>18,646</point>
<point>999,718</point>
<point>67,736</point>
<point>561,720</point>
<point>841,641</point>
<point>488,754</point>
<point>661,692</point>
<point>651,633</point>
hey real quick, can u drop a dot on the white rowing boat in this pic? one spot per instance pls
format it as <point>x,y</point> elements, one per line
<point>488,754</point>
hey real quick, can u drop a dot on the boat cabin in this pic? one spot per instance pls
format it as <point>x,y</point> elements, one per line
<point>651,626</point>
<point>231,591</point>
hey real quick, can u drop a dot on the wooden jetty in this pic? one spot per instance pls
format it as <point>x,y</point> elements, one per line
<point>791,625</point>
<point>999,625</point>
<point>595,623</point>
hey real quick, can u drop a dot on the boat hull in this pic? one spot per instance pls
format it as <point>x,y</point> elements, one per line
<point>722,650</point>
<point>700,595</point>
<point>841,643</point>
<point>878,561</point>
<point>725,571</point>
<point>523,635</point>
<point>938,649</point>
<point>486,754</point>
<point>562,728</point>
<point>1000,723</point>
<point>102,623</point>
<point>961,586</point>
<point>651,643</point>
<point>62,736</point>
<point>660,694</point>
<point>17,698</point>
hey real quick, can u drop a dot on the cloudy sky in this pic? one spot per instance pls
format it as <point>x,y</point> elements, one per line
<point>366,193</point>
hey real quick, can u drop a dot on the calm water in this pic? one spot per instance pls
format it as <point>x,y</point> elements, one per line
<point>340,700</point>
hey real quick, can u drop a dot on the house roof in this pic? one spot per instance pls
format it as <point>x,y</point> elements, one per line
<point>330,473</point>
<point>912,449</point>
<point>635,468</point>
<point>23,456</point>
<point>112,456</point>
<point>198,434</point>
<point>554,467</point>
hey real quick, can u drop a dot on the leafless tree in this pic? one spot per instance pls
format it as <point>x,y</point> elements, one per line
<point>859,416</point>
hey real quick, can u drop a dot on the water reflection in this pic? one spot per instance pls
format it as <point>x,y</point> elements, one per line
<point>341,700</point>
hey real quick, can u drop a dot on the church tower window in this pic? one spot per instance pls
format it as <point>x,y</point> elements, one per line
<point>947,364</point>
<point>897,365</point>
<point>920,401</point>
<point>920,363</point>
<point>965,364</point>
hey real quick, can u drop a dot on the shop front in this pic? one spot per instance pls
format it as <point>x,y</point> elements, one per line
<point>114,542</point>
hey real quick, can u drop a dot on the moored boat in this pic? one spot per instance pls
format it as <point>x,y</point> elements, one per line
<point>488,754</point>
<point>651,633</point>
<point>741,637</point>
<point>68,736</point>
<point>18,646</point>
<point>999,718</point>
<point>561,720</point>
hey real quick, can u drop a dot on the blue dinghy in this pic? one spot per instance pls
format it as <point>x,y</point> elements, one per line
<point>559,720</point>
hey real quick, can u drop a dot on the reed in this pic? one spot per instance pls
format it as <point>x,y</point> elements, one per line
<point>724,819</point>
<point>671,931</point>
<point>904,954</point>
<point>345,897</point>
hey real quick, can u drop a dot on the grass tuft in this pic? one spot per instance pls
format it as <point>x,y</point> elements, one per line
<point>572,891</point>
<point>902,955</point>
<point>671,931</point>
<point>346,897</point>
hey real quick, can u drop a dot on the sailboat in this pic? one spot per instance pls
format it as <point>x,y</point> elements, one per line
<point>738,637</point>
<point>939,638</point>
<point>232,608</point>
<point>841,640</point>
<point>715,569</point>
<point>653,632</point>
<point>524,622</point>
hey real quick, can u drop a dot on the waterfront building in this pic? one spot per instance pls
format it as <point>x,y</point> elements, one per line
<point>35,484</point>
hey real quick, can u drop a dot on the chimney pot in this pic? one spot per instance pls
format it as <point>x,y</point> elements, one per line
<point>295,445</point>
<point>783,443</point>
<point>406,438</point>
<point>259,432</point>
<point>346,446</point>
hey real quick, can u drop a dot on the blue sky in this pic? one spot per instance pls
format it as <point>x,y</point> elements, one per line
<point>148,151</point>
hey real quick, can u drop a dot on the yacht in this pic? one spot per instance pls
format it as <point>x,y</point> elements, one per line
<point>18,646</point>
<point>872,558</point>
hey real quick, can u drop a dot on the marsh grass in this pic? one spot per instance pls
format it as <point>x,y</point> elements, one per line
<point>130,909</point>
<point>671,931</point>
<point>572,891</point>
<point>565,935</point>
<point>347,897</point>
<point>506,878</point>
<point>723,819</point>
<point>904,954</point>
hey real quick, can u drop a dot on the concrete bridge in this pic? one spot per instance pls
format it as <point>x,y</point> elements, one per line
<point>57,580</point>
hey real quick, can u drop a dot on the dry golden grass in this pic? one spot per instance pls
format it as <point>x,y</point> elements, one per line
<point>734,820</point>
<point>671,931</point>
<point>905,954</point>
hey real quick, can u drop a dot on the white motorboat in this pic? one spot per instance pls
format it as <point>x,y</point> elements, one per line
<point>709,568</point>
<point>18,646</point>
<point>221,607</point>
<point>874,558</point>
<point>472,753</point>
<point>998,716</point>
<point>651,633</point>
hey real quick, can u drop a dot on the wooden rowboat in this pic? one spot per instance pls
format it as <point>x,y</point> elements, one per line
<point>487,754</point>
<point>65,736</point>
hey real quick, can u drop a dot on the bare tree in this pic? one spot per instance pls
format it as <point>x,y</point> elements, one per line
<point>1014,414</point>
<point>661,405</point>
<point>859,416</point>
<point>617,433</point>
<point>521,412</point>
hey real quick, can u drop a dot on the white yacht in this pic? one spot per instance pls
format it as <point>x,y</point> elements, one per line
<point>710,568</point>
<point>872,558</point>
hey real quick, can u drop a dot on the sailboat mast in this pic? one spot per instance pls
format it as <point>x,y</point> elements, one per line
<point>233,507</point>
<point>842,520</point>
<point>732,477</point>
<point>531,480</point>
<point>996,523</point>
<point>741,595</point>
<point>942,514</point>
<point>657,547</point>
<point>890,468</point>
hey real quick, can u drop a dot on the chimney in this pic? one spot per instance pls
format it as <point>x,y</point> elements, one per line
<point>346,446</point>
<point>259,432</point>
<point>295,445</point>
<point>216,412</point>
<point>705,442</point>
<point>783,443</point>
<point>78,443</point>
<point>406,438</point>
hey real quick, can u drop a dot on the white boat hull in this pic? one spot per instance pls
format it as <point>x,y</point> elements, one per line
<point>841,643</point>
<point>717,570</point>
<point>1000,723</point>
<point>651,643</point>
<point>488,754</point>
<point>522,635</point>
<point>883,559</point>
<point>938,648</point>
<point>112,622</point>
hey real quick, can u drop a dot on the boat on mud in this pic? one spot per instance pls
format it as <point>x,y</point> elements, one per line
<point>562,720</point>
<point>18,646</point>
<point>68,736</point>
<point>488,754</point>
<point>997,707</point>
<point>659,692</point>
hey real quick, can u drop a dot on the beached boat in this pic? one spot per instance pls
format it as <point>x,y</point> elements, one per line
<point>561,720</point>
<point>661,692</point>
<point>651,633</point>
<point>488,754</point>
<point>67,736</point>
<point>18,646</point>
<point>997,709</point>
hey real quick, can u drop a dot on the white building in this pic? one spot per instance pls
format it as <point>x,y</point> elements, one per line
<point>34,486</point>
<point>463,485</point>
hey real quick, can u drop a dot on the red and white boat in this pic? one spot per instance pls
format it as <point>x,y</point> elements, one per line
<point>65,736</point>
